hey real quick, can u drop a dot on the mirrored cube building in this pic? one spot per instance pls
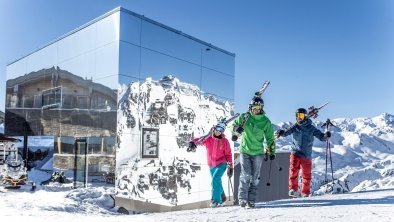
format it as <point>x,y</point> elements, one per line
<point>123,95</point>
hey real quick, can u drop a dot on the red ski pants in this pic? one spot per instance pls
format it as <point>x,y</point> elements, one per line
<point>296,163</point>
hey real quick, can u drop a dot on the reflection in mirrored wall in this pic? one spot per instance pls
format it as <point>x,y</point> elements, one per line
<point>168,94</point>
<point>99,156</point>
<point>56,102</point>
<point>68,90</point>
<point>126,85</point>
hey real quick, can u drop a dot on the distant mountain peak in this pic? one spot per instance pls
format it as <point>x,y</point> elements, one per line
<point>383,123</point>
<point>169,80</point>
<point>384,119</point>
<point>387,117</point>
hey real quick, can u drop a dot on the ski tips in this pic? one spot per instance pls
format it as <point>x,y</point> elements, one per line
<point>262,89</point>
<point>324,105</point>
<point>313,112</point>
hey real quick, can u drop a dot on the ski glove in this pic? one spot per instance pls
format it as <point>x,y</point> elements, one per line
<point>279,133</point>
<point>265,156</point>
<point>239,129</point>
<point>328,134</point>
<point>230,172</point>
<point>234,138</point>
<point>192,147</point>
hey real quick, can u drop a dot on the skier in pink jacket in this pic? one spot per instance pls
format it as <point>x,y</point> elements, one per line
<point>219,158</point>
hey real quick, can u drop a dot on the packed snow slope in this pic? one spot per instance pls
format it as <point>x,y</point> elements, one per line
<point>93,204</point>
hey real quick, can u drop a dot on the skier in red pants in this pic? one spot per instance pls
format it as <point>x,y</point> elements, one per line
<point>301,154</point>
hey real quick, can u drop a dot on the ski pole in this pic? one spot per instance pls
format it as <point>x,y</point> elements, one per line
<point>328,124</point>
<point>269,175</point>
<point>332,170</point>
<point>279,167</point>
<point>228,186</point>
<point>325,176</point>
<point>232,190</point>
<point>327,145</point>
<point>231,185</point>
<point>229,180</point>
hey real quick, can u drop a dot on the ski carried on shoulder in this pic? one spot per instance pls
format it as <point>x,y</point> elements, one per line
<point>312,113</point>
<point>224,120</point>
<point>258,93</point>
<point>203,138</point>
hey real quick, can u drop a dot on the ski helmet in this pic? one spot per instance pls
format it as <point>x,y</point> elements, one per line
<point>221,124</point>
<point>256,101</point>
<point>301,113</point>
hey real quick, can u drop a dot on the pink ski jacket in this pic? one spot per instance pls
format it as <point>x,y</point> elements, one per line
<point>218,151</point>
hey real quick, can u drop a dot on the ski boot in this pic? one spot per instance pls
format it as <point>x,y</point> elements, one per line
<point>250,205</point>
<point>215,204</point>
<point>293,193</point>
<point>242,203</point>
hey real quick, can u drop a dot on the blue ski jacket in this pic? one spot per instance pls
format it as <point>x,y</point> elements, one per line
<point>303,134</point>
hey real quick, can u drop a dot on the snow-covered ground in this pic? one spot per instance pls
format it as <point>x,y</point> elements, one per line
<point>56,203</point>
<point>363,160</point>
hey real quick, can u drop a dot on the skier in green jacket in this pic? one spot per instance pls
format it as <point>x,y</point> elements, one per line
<point>255,131</point>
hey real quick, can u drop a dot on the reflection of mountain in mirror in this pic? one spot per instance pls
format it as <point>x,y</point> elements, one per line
<point>177,112</point>
<point>171,83</point>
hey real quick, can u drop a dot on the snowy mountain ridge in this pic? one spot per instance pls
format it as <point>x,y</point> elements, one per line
<point>171,83</point>
<point>381,124</point>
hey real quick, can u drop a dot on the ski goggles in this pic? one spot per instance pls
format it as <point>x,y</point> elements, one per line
<point>255,108</point>
<point>300,115</point>
<point>219,128</point>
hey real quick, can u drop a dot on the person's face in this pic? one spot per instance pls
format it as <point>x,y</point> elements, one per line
<point>218,130</point>
<point>255,110</point>
<point>300,117</point>
<point>218,133</point>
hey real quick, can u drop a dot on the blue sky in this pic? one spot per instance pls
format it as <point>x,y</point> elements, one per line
<point>339,51</point>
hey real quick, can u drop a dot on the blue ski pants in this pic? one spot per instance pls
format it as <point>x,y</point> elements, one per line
<point>216,184</point>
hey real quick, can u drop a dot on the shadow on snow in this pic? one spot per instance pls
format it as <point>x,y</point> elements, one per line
<point>306,202</point>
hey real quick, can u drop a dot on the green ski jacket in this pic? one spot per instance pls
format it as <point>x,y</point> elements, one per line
<point>257,129</point>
